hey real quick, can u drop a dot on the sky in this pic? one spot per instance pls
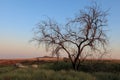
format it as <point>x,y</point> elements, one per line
<point>19,17</point>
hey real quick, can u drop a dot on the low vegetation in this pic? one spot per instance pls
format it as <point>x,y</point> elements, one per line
<point>62,71</point>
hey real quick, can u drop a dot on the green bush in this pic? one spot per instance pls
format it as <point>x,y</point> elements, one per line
<point>61,66</point>
<point>97,67</point>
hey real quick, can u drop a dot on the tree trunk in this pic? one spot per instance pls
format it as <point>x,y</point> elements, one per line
<point>78,65</point>
<point>74,66</point>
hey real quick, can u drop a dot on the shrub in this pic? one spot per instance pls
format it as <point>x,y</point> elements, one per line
<point>61,66</point>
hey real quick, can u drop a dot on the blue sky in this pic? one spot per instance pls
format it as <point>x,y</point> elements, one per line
<point>19,17</point>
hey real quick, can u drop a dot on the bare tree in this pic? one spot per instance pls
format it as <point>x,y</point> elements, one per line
<point>83,35</point>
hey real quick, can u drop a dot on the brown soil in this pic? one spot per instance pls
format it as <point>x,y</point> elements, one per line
<point>14,61</point>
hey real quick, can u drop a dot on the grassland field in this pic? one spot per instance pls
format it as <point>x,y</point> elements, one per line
<point>52,70</point>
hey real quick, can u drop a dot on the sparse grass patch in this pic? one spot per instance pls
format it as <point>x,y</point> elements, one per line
<point>41,74</point>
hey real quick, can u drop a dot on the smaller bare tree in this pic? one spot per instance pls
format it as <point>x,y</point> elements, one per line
<point>78,38</point>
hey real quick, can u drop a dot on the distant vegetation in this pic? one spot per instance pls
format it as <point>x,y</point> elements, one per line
<point>62,71</point>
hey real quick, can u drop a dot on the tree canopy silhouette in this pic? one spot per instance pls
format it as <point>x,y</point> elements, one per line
<point>80,37</point>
